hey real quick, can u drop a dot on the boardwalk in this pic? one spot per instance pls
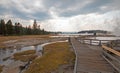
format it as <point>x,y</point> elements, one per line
<point>89,59</point>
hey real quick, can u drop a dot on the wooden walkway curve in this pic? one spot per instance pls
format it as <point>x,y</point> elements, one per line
<point>89,59</point>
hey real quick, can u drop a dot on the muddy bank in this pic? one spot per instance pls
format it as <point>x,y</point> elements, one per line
<point>13,44</point>
<point>13,66</point>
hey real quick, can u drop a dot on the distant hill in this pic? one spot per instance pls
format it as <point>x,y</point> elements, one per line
<point>69,32</point>
<point>93,31</point>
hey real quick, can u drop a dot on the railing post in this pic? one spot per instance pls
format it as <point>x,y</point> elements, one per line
<point>90,42</point>
<point>83,41</point>
<point>69,39</point>
<point>99,42</point>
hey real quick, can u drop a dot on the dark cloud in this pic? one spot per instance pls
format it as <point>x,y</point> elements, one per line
<point>95,6</point>
<point>2,10</point>
<point>61,3</point>
<point>91,7</point>
<point>40,16</point>
<point>64,8</point>
<point>67,8</point>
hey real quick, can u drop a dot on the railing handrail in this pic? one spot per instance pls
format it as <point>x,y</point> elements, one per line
<point>114,61</point>
<point>100,42</point>
<point>111,50</point>
<point>97,40</point>
<point>75,65</point>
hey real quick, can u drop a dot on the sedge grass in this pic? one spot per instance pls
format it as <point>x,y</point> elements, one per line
<point>25,55</point>
<point>55,55</point>
<point>1,67</point>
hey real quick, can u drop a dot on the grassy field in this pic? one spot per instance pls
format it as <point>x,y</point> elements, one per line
<point>1,68</point>
<point>8,38</point>
<point>55,55</point>
<point>25,55</point>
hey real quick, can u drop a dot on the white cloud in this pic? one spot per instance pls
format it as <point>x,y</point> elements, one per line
<point>16,19</point>
<point>78,5</point>
<point>53,13</point>
<point>26,6</point>
<point>76,22</point>
<point>83,22</point>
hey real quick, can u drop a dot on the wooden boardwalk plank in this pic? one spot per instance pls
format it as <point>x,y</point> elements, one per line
<point>89,59</point>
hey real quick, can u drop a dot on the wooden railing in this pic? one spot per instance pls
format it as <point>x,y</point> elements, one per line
<point>94,41</point>
<point>75,65</point>
<point>112,57</point>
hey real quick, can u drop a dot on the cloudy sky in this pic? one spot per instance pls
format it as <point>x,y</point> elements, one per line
<point>64,15</point>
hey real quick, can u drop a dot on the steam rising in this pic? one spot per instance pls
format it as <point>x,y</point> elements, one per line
<point>116,30</point>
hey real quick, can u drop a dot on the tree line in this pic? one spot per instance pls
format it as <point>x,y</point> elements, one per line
<point>17,29</point>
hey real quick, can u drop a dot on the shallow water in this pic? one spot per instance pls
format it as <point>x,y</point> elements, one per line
<point>96,42</point>
<point>5,54</point>
<point>106,38</point>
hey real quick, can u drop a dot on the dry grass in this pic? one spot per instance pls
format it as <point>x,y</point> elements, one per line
<point>1,68</point>
<point>25,55</point>
<point>55,55</point>
<point>8,38</point>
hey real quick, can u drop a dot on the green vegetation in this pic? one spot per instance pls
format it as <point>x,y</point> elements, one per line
<point>9,28</point>
<point>25,55</point>
<point>1,68</point>
<point>55,55</point>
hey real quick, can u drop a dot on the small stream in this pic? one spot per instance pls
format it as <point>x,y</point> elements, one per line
<point>6,54</point>
<point>6,57</point>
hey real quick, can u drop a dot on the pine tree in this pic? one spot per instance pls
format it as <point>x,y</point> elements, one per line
<point>2,27</point>
<point>29,30</point>
<point>35,27</point>
<point>16,28</point>
<point>21,29</point>
<point>9,27</point>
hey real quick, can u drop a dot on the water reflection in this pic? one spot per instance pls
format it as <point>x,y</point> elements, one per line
<point>106,38</point>
<point>6,53</point>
